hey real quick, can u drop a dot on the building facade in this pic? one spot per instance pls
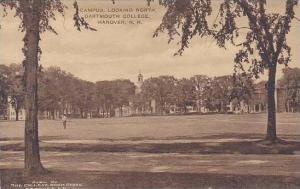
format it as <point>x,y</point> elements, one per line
<point>12,114</point>
<point>258,102</point>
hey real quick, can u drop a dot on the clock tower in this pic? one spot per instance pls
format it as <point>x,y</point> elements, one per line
<point>139,83</point>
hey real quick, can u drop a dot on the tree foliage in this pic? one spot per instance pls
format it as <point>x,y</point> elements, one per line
<point>12,88</point>
<point>264,43</point>
<point>263,47</point>
<point>61,92</point>
<point>161,89</point>
<point>4,88</point>
<point>16,88</point>
<point>290,83</point>
<point>187,18</point>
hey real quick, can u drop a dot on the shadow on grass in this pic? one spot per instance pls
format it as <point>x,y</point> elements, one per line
<point>248,136</point>
<point>241,147</point>
<point>124,180</point>
<point>206,136</point>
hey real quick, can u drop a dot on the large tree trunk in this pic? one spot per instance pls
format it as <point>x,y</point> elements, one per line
<point>31,41</point>
<point>271,125</point>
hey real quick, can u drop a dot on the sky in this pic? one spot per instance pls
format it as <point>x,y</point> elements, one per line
<point>122,51</point>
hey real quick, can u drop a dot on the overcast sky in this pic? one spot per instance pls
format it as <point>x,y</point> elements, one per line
<point>121,51</point>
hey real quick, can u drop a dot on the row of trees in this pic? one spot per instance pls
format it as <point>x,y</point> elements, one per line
<point>291,83</point>
<point>198,91</point>
<point>61,92</point>
<point>12,86</point>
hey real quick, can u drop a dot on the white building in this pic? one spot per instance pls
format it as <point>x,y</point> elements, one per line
<point>11,112</point>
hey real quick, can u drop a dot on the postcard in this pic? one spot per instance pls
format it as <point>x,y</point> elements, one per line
<point>149,94</point>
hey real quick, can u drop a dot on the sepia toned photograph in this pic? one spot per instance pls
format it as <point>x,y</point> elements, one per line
<point>149,94</point>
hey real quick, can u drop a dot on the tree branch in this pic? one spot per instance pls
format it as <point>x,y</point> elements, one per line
<point>255,27</point>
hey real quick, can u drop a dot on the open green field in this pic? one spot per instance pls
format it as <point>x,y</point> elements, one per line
<point>158,127</point>
<point>204,151</point>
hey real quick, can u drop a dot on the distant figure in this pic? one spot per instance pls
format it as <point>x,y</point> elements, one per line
<point>64,119</point>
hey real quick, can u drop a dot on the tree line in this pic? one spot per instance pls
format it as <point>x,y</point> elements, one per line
<point>211,93</point>
<point>61,92</point>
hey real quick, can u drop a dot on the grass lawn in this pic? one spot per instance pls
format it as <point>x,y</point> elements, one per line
<point>158,127</point>
<point>204,151</point>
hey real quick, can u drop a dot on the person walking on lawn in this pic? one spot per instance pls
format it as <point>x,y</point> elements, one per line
<point>64,119</point>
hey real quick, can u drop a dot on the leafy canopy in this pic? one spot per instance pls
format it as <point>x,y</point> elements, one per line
<point>264,44</point>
